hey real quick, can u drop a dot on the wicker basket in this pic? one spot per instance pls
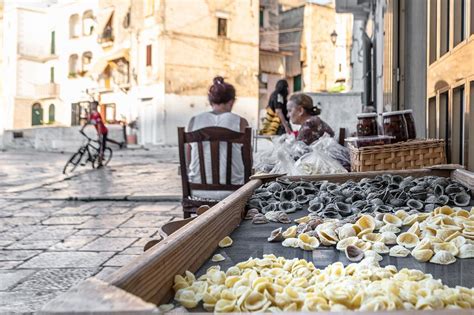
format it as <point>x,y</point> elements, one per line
<point>403,155</point>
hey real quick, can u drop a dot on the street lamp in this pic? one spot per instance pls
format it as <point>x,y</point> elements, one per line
<point>333,37</point>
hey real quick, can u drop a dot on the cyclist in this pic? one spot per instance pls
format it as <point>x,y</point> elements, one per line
<point>102,131</point>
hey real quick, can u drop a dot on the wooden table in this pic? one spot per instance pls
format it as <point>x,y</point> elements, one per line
<point>150,276</point>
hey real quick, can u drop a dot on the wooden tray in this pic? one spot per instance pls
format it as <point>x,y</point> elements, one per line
<point>149,278</point>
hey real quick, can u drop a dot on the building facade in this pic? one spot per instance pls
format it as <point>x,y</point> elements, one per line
<point>47,54</point>
<point>450,77</point>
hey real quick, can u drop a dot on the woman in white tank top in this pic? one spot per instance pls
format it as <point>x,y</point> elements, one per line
<point>221,97</point>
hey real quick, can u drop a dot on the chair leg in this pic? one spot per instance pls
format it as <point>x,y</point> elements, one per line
<point>186,214</point>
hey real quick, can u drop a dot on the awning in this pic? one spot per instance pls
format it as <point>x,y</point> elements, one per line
<point>103,18</point>
<point>102,62</point>
<point>272,63</point>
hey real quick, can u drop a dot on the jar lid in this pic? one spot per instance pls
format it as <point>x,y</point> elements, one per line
<point>398,112</point>
<point>366,115</point>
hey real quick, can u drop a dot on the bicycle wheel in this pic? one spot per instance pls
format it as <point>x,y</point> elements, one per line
<point>105,160</point>
<point>72,163</point>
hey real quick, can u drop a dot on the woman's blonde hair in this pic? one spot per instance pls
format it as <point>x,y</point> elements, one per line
<point>305,101</point>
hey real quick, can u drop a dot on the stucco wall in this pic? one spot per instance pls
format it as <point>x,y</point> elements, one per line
<point>67,139</point>
<point>339,110</point>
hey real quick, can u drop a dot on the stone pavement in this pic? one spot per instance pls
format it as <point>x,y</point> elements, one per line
<point>49,242</point>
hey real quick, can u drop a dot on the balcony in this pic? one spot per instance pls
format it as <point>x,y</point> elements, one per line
<point>106,37</point>
<point>49,90</point>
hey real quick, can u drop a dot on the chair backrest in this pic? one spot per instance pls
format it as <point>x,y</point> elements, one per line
<point>214,135</point>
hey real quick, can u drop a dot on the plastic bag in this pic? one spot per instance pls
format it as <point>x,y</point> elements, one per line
<point>316,162</point>
<point>293,157</point>
<point>331,147</point>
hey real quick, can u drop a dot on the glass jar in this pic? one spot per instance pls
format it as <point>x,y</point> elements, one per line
<point>411,129</point>
<point>367,125</point>
<point>394,124</point>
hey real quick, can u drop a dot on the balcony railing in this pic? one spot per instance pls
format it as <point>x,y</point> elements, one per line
<point>49,90</point>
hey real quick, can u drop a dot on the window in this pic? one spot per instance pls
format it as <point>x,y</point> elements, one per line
<point>262,16</point>
<point>221,27</point>
<point>108,112</point>
<point>444,27</point>
<point>108,31</point>
<point>51,75</point>
<point>79,113</point>
<point>432,118</point>
<point>433,30</point>
<point>297,83</point>
<point>457,126</point>
<point>36,114</point>
<point>469,130</point>
<point>149,7</point>
<point>148,55</point>
<point>443,122</point>
<point>53,43</point>
<point>74,26</point>
<point>472,18</point>
<point>459,21</point>
<point>73,65</point>
<point>51,113</point>
<point>88,23</point>
<point>86,61</point>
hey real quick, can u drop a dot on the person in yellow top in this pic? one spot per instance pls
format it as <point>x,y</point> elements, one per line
<point>276,120</point>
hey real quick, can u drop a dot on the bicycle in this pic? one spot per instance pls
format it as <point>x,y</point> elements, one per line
<point>87,153</point>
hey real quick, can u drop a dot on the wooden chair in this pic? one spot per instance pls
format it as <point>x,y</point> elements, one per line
<point>214,135</point>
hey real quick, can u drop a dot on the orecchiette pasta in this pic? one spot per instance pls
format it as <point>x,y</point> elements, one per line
<point>273,284</point>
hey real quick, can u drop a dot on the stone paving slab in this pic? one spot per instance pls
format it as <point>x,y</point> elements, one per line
<point>132,232</point>
<point>54,279</point>
<point>91,232</point>
<point>33,244</point>
<point>72,243</point>
<point>120,260</point>
<point>25,301</point>
<point>146,220</point>
<point>67,260</point>
<point>57,232</point>
<point>6,255</point>
<point>9,278</point>
<point>64,220</point>
<point>7,265</point>
<point>109,244</point>
<point>105,221</point>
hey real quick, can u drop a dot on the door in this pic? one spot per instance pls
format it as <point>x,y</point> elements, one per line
<point>36,115</point>
<point>147,120</point>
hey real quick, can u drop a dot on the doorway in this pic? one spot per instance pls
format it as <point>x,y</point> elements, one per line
<point>147,121</point>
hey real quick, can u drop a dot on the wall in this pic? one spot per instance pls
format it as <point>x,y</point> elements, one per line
<point>269,31</point>
<point>66,139</point>
<point>318,50</point>
<point>194,54</point>
<point>415,63</point>
<point>339,110</point>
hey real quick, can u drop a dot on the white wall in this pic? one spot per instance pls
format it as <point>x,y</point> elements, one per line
<point>179,110</point>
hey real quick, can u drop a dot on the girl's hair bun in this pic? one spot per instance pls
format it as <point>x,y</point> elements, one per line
<point>218,80</point>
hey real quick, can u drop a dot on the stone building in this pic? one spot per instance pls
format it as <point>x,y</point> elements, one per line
<point>450,77</point>
<point>55,45</point>
<point>177,49</point>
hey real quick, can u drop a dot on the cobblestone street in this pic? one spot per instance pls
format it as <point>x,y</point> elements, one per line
<point>56,231</point>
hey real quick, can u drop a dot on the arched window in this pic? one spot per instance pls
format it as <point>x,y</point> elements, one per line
<point>51,113</point>
<point>86,61</point>
<point>88,23</point>
<point>74,26</point>
<point>73,65</point>
<point>36,114</point>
